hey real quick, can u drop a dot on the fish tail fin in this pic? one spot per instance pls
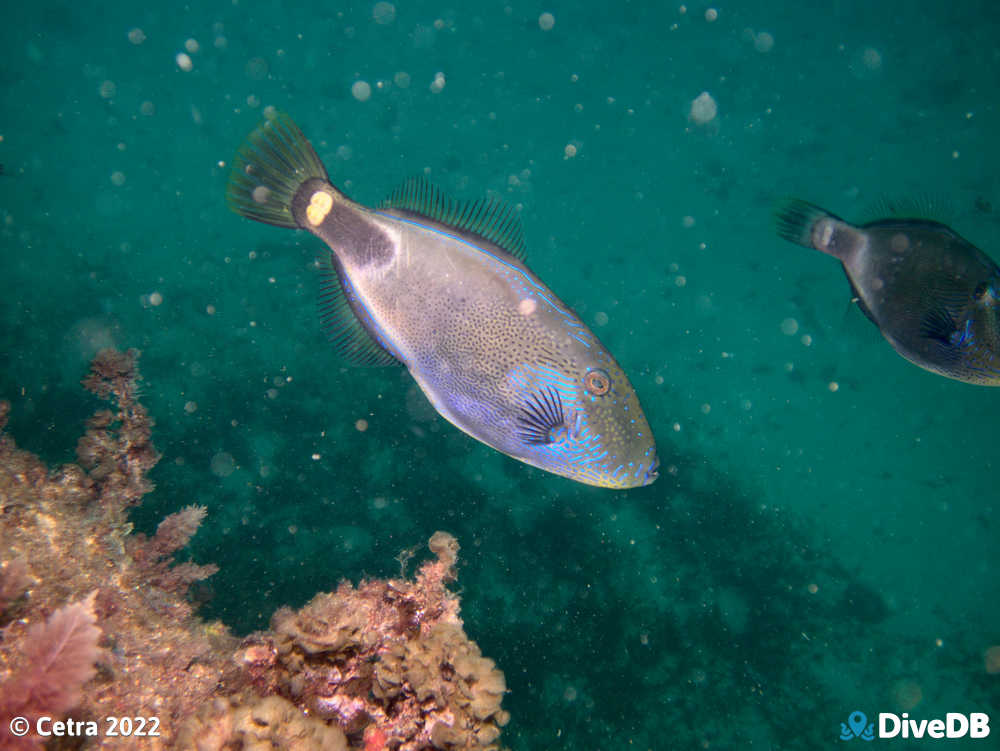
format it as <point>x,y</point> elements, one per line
<point>268,170</point>
<point>795,219</point>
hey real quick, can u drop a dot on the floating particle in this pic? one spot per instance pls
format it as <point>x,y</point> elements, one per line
<point>570,694</point>
<point>907,694</point>
<point>546,21</point>
<point>316,457</point>
<point>991,659</point>
<point>813,588</point>
<point>833,386</point>
<point>703,109</point>
<point>687,222</point>
<point>107,89</point>
<point>118,178</point>
<point>155,299</point>
<point>711,15</point>
<point>192,46</point>
<point>223,464</point>
<point>191,407</point>
<point>402,79</point>
<point>256,68</point>
<point>570,151</point>
<point>361,425</point>
<point>272,394</point>
<point>680,280</point>
<point>253,101</point>
<point>871,58</point>
<point>601,318</point>
<point>706,408</point>
<point>384,13</point>
<point>361,90</point>
<point>763,42</point>
<point>789,327</point>
<point>379,502</point>
<point>806,340</point>
<point>147,108</point>
<point>184,61</point>
<point>438,83</point>
<point>136,36</point>
<point>210,309</point>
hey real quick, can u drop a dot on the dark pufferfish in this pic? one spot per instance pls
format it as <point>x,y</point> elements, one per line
<point>934,295</point>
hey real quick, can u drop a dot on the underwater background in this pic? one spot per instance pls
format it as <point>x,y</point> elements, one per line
<point>821,537</point>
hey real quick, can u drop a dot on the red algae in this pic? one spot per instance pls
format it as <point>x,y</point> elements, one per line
<point>95,622</point>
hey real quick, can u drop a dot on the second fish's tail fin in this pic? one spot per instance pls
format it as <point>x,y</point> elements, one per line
<point>795,219</point>
<point>269,168</point>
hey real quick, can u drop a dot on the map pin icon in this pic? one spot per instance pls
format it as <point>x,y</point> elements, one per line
<point>857,721</point>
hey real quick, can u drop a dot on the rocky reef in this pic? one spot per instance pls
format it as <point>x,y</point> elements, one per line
<point>96,623</point>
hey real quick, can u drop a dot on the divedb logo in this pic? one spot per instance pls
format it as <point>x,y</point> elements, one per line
<point>954,725</point>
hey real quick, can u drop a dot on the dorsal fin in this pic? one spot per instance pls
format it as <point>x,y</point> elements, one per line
<point>343,326</point>
<point>491,219</point>
<point>926,206</point>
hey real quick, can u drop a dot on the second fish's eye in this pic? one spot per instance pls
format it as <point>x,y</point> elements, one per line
<point>981,289</point>
<point>597,382</point>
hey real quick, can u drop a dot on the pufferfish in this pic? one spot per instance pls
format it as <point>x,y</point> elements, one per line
<point>442,288</point>
<point>934,295</point>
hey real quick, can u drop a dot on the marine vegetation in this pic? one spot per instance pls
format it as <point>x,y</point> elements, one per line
<point>95,622</point>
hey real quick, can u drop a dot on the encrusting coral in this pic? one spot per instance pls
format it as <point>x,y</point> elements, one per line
<point>94,622</point>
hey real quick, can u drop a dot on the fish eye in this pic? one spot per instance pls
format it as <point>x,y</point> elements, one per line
<point>597,382</point>
<point>981,289</point>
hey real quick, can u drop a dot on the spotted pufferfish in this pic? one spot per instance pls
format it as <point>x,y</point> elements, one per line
<point>442,288</point>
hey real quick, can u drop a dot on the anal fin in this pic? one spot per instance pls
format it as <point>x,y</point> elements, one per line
<point>341,317</point>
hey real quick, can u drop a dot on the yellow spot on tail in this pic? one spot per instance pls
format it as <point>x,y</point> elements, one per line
<point>319,206</point>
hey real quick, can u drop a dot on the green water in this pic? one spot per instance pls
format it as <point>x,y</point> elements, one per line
<point>822,541</point>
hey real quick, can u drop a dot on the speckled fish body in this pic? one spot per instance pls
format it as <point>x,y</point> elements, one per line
<point>934,296</point>
<point>441,288</point>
